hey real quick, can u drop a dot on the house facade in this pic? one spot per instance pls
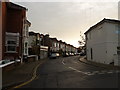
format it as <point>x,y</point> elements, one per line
<point>0,30</point>
<point>12,30</point>
<point>34,43</point>
<point>55,45</point>
<point>102,42</point>
<point>25,37</point>
<point>61,47</point>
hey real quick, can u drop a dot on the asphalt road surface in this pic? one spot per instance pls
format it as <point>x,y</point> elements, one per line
<point>69,72</point>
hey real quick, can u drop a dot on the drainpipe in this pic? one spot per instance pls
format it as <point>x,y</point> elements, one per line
<point>22,37</point>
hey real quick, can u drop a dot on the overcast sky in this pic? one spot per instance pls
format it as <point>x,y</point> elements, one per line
<point>65,20</point>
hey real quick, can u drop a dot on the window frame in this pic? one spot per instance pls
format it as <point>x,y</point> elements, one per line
<point>11,45</point>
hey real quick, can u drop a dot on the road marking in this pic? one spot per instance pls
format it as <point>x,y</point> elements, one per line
<point>75,62</point>
<point>63,62</point>
<point>101,73</point>
<point>93,72</point>
<point>109,72</point>
<point>79,71</point>
<point>96,71</point>
<point>33,77</point>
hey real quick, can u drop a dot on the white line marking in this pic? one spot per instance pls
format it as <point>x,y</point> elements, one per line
<point>109,72</point>
<point>74,62</point>
<point>91,74</point>
<point>63,62</point>
<point>78,70</point>
<point>96,71</point>
<point>101,73</point>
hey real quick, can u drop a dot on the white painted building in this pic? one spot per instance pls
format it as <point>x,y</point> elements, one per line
<point>26,36</point>
<point>103,42</point>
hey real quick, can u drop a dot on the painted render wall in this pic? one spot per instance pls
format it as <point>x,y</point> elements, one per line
<point>112,42</point>
<point>103,41</point>
<point>97,43</point>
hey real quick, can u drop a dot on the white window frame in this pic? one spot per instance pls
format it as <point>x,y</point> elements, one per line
<point>15,45</point>
<point>12,37</point>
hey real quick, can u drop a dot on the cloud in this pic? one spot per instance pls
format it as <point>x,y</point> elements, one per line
<point>65,20</point>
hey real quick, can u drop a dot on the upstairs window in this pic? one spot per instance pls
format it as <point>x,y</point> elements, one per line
<point>12,42</point>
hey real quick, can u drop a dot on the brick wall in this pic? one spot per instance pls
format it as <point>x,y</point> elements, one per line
<point>0,30</point>
<point>12,21</point>
<point>4,14</point>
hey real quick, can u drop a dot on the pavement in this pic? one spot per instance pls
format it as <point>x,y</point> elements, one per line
<point>84,60</point>
<point>19,74</point>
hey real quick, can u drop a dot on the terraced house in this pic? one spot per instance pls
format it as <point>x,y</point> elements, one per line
<point>55,45</point>
<point>62,49</point>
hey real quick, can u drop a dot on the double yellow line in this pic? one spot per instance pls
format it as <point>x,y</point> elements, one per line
<point>33,77</point>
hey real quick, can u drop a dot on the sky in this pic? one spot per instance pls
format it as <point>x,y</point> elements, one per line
<point>65,19</point>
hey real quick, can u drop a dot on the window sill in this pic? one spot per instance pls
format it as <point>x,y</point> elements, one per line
<point>10,52</point>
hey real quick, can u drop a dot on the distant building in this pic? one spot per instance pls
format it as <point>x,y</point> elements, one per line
<point>55,45</point>
<point>61,47</point>
<point>103,42</point>
<point>36,45</point>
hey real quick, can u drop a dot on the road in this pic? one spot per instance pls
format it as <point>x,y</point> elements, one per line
<point>69,72</point>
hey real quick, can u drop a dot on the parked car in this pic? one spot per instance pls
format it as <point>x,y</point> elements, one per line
<point>72,54</point>
<point>54,55</point>
<point>82,54</point>
<point>65,55</point>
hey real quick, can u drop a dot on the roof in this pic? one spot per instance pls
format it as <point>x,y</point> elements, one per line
<point>55,39</point>
<point>101,22</point>
<point>15,6</point>
<point>28,22</point>
<point>32,33</point>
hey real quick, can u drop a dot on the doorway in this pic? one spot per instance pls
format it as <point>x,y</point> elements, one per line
<point>91,51</point>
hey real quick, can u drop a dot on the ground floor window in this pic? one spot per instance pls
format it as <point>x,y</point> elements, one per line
<point>11,46</point>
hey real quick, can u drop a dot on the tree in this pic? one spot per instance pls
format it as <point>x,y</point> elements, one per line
<point>82,39</point>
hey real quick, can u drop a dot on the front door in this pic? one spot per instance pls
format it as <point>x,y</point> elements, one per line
<point>91,51</point>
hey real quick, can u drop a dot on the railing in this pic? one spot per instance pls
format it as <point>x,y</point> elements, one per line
<point>4,63</point>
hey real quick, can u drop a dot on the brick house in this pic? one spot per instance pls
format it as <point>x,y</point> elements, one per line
<point>12,30</point>
<point>0,30</point>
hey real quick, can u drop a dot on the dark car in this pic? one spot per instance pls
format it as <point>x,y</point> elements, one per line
<point>65,55</point>
<point>82,54</point>
<point>54,55</point>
